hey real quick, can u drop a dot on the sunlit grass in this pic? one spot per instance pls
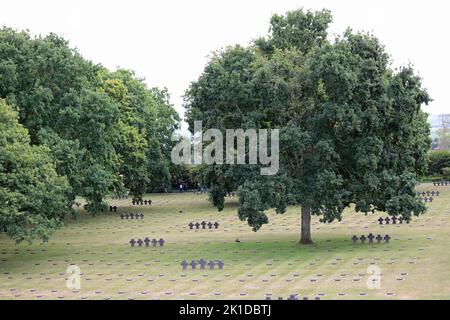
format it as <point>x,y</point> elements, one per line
<point>266,262</point>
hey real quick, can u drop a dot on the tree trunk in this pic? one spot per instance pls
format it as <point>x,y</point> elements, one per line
<point>306,225</point>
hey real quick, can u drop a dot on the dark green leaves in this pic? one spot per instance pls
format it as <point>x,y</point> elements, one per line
<point>34,198</point>
<point>351,129</point>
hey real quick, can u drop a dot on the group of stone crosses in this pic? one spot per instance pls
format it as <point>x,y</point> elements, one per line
<point>132,216</point>
<point>136,202</point>
<point>430,199</point>
<point>203,224</point>
<point>147,242</point>
<point>428,196</point>
<point>202,263</point>
<point>428,193</point>
<point>393,219</point>
<point>291,297</point>
<point>116,197</point>
<point>441,183</point>
<point>370,238</point>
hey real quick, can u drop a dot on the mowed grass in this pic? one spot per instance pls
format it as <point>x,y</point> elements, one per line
<point>414,265</point>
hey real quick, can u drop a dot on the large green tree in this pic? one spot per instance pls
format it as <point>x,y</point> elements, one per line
<point>106,130</point>
<point>34,198</point>
<point>56,93</point>
<point>351,129</point>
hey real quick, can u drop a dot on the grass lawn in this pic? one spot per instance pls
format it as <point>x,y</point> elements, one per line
<point>414,265</point>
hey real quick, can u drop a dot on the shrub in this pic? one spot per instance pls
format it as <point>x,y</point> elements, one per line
<point>446,173</point>
<point>437,160</point>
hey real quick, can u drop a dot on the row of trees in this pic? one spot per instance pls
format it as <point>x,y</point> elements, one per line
<point>351,128</point>
<point>73,128</point>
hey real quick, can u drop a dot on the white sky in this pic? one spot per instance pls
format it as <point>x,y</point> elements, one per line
<point>168,41</point>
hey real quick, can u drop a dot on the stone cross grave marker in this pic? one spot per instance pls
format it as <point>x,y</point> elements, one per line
<point>379,238</point>
<point>363,239</point>
<point>202,262</point>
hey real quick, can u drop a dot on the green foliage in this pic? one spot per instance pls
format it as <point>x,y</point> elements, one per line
<point>129,142</point>
<point>55,91</point>
<point>351,129</point>
<point>297,29</point>
<point>189,174</point>
<point>437,161</point>
<point>106,130</point>
<point>155,120</point>
<point>34,197</point>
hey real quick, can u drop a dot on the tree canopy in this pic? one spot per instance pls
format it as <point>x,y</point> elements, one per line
<point>34,197</point>
<point>107,132</point>
<point>351,128</point>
